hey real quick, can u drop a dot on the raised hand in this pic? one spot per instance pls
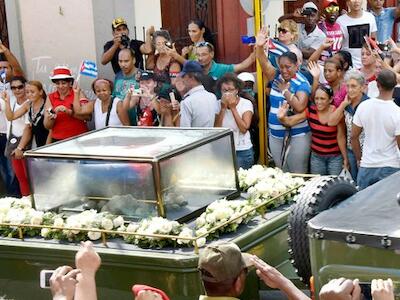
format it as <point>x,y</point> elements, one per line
<point>63,283</point>
<point>314,69</point>
<point>262,37</point>
<point>382,289</point>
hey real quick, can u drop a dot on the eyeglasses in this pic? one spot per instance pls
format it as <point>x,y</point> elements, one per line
<point>332,9</point>
<point>17,87</point>
<point>282,30</point>
<point>205,44</point>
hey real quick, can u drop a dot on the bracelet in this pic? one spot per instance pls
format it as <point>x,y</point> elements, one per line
<point>20,149</point>
<point>284,91</point>
<point>291,97</point>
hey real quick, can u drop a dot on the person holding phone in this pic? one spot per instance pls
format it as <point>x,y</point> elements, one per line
<point>236,113</point>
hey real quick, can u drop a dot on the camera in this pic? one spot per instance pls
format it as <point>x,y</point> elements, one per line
<point>45,278</point>
<point>125,40</point>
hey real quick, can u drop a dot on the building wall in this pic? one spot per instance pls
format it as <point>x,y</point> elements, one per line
<point>46,33</point>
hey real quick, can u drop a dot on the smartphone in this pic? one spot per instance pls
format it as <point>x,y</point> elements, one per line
<point>45,278</point>
<point>366,290</point>
<point>169,45</point>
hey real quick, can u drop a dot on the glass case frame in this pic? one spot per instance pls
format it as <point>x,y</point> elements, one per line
<point>155,160</point>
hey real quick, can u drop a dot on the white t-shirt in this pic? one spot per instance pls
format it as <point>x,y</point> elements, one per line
<point>380,120</point>
<point>100,117</point>
<point>242,141</point>
<point>3,119</point>
<point>312,40</point>
<point>354,30</point>
<point>18,125</point>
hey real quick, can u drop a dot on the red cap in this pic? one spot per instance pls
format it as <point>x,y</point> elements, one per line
<point>326,3</point>
<point>139,287</point>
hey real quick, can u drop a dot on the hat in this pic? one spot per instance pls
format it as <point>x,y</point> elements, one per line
<point>191,66</point>
<point>61,72</point>
<point>222,261</point>
<point>146,75</point>
<point>310,5</point>
<point>118,22</point>
<point>140,287</point>
<point>246,76</point>
<point>327,3</point>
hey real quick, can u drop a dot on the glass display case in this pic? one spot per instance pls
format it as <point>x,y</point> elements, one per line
<point>135,172</point>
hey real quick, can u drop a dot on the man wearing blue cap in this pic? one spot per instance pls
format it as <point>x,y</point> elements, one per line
<point>198,107</point>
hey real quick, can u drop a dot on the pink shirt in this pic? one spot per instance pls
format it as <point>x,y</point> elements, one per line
<point>339,95</point>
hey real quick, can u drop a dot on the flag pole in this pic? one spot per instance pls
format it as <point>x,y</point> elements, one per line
<point>257,4</point>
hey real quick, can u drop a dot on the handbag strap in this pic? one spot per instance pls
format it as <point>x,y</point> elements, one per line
<point>11,122</point>
<point>109,111</point>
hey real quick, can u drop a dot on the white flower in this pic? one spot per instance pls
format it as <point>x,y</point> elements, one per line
<point>16,216</point>
<point>132,227</point>
<point>37,218</point>
<point>200,221</point>
<point>58,222</point>
<point>122,228</point>
<point>185,233</point>
<point>201,242</point>
<point>107,224</point>
<point>201,231</point>
<point>94,235</point>
<point>45,232</point>
<point>211,218</point>
<point>118,222</point>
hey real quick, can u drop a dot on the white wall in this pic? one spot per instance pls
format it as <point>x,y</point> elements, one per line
<point>46,33</point>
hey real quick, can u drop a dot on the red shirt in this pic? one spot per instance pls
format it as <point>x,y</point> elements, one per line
<point>323,137</point>
<point>332,31</point>
<point>65,126</point>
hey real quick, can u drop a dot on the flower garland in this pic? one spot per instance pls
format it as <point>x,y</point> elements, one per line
<point>260,182</point>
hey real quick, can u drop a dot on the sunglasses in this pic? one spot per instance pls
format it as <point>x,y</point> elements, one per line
<point>17,87</point>
<point>332,9</point>
<point>205,44</point>
<point>282,30</point>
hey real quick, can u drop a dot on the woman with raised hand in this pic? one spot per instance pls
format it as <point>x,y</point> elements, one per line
<point>16,108</point>
<point>166,59</point>
<point>106,109</point>
<point>236,113</point>
<point>290,146</point>
<point>328,143</point>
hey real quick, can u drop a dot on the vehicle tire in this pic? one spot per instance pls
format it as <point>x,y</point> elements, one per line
<point>317,195</point>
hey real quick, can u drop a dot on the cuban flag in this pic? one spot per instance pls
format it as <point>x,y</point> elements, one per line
<point>88,68</point>
<point>276,49</point>
<point>3,75</point>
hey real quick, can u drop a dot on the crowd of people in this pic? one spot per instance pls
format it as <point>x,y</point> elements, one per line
<point>223,269</point>
<point>331,63</point>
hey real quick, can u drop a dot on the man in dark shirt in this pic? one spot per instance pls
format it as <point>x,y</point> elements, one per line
<point>121,40</point>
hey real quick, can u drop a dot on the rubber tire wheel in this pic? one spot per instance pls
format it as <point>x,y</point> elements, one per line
<point>317,195</point>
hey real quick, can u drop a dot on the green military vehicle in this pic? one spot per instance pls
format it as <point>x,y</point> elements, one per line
<point>88,171</point>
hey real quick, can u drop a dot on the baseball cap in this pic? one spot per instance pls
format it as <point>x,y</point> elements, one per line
<point>310,5</point>
<point>140,287</point>
<point>191,66</point>
<point>118,22</point>
<point>326,3</point>
<point>61,72</point>
<point>222,261</point>
<point>246,76</point>
<point>146,75</point>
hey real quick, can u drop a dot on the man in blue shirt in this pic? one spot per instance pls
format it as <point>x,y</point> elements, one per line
<point>385,17</point>
<point>205,56</point>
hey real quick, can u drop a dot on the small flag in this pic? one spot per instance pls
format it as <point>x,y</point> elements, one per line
<point>276,49</point>
<point>88,68</point>
<point>3,75</point>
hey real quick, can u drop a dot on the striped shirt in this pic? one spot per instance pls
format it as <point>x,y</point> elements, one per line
<point>323,137</point>
<point>275,127</point>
